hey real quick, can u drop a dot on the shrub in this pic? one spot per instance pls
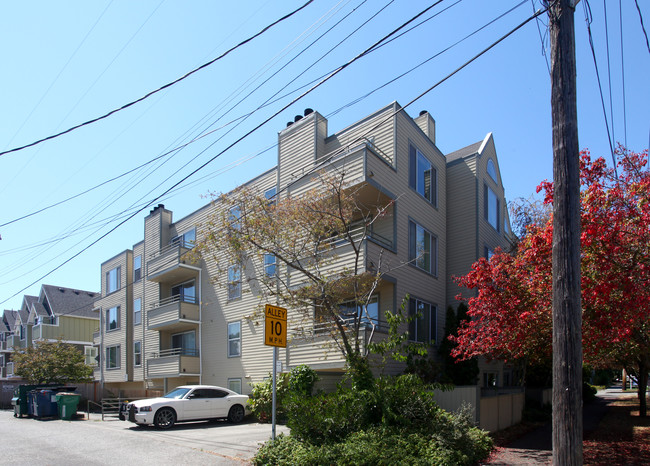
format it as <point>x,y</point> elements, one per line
<point>260,400</point>
<point>395,422</point>
<point>302,379</point>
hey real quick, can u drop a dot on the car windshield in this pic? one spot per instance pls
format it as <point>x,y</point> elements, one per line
<point>177,393</point>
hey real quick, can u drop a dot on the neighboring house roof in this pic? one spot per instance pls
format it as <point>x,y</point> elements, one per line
<point>28,301</point>
<point>464,152</point>
<point>10,318</point>
<point>39,310</point>
<point>24,316</point>
<point>68,301</point>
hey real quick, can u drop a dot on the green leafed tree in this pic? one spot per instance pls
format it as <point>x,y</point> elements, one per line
<point>306,252</point>
<point>52,362</point>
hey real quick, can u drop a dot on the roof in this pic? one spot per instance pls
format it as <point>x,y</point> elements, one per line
<point>39,309</point>
<point>10,317</point>
<point>29,300</point>
<point>24,315</point>
<point>68,301</point>
<point>464,152</point>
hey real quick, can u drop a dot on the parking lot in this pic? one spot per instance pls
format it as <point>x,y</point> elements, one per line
<point>112,442</point>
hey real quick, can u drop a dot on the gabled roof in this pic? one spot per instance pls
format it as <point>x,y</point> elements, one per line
<point>28,301</point>
<point>10,318</point>
<point>37,309</point>
<point>68,301</point>
<point>23,314</point>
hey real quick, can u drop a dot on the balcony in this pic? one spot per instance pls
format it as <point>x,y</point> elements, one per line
<point>175,362</point>
<point>9,369</point>
<point>171,264</point>
<point>15,342</point>
<point>173,314</point>
<point>4,346</point>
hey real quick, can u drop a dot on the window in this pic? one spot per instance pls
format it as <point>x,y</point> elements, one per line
<point>491,207</point>
<point>137,353</point>
<point>234,214</point>
<point>113,357</point>
<point>113,280</point>
<point>234,282</point>
<point>23,332</point>
<point>113,318</point>
<point>137,268</point>
<point>137,311</point>
<point>491,170</point>
<point>269,265</point>
<point>271,195</point>
<point>423,326</point>
<point>488,253</point>
<point>490,379</point>
<point>90,355</point>
<point>349,309</point>
<point>422,176</point>
<point>185,292</point>
<point>234,339</point>
<point>185,343</point>
<point>186,240</point>
<point>423,248</point>
<point>235,385</point>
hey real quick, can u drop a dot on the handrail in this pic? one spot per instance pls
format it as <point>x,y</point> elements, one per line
<point>176,352</point>
<point>173,299</point>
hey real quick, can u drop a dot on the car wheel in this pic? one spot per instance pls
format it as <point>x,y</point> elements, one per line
<point>165,418</point>
<point>236,414</point>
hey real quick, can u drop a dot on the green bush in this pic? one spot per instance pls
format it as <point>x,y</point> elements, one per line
<point>302,379</point>
<point>396,421</point>
<point>260,400</point>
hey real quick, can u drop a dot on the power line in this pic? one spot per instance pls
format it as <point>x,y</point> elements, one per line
<point>588,20</point>
<point>642,26</point>
<point>337,152</point>
<point>609,73</point>
<point>620,19</point>
<point>146,96</point>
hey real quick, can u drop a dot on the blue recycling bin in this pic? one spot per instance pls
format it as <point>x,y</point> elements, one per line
<point>45,404</point>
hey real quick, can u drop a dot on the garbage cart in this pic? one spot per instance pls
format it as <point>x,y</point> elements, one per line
<point>67,404</point>
<point>19,400</point>
<point>45,404</point>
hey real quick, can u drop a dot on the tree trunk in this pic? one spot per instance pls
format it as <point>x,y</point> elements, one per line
<point>567,319</point>
<point>643,383</point>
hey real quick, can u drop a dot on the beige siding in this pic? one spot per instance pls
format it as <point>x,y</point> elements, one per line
<point>69,328</point>
<point>297,149</point>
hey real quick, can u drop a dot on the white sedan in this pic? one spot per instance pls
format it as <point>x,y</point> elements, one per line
<point>187,403</point>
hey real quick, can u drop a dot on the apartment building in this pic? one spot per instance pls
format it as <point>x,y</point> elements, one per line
<point>166,321</point>
<point>56,313</point>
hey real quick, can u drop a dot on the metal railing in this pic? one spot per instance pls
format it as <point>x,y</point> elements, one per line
<point>175,352</point>
<point>173,299</point>
<point>357,232</point>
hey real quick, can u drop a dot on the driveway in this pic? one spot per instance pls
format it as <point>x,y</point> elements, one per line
<point>113,442</point>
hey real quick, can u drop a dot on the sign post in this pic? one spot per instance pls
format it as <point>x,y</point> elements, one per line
<point>275,334</point>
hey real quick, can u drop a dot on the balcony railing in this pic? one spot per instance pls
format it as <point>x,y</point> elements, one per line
<point>173,313</point>
<point>169,263</point>
<point>174,362</point>
<point>10,369</point>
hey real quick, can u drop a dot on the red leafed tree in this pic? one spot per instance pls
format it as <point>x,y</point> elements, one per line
<point>512,312</point>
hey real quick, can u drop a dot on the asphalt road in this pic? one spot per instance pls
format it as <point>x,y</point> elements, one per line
<point>113,442</point>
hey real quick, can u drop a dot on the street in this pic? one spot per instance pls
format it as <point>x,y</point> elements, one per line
<point>113,442</point>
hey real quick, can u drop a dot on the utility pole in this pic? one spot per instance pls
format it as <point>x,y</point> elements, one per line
<point>567,318</point>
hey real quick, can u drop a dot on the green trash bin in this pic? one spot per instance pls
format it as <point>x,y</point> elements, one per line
<point>67,403</point>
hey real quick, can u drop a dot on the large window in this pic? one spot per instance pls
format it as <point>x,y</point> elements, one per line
<point>491,207</point>
<point>137,268</point>
<point>137,353</point>
<point>234,339</point>
<point>113,357</point>
<point>185,292</point>
<point>423,177</point>
<point>423,248</point>
<point>137,311</point>
<point>422,327</point>
<point>234,282</point>
<point>113,318</point>
<point>113,280</point>
<point>185,343</point>
<point>270,264</point>
<point>369,314</point>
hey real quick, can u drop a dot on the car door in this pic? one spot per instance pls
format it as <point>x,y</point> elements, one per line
<point>219,404</point>
<point>197,405</point>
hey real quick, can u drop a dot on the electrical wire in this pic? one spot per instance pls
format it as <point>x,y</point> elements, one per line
<point>588,20</point>
<point>329,158</point>
<point>165,86</point>
<point>609,73</point>
<point>647,43</point>
<point>620,19</point>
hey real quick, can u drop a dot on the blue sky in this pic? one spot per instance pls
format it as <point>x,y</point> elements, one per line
<point>65,63</point>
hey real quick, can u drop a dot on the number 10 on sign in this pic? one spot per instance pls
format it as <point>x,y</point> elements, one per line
<point>275,328</point>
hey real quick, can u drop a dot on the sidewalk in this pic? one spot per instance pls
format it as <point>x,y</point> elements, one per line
<point>536,447</point>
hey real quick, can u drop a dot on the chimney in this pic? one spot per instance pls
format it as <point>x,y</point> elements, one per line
<point>427,124</point>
